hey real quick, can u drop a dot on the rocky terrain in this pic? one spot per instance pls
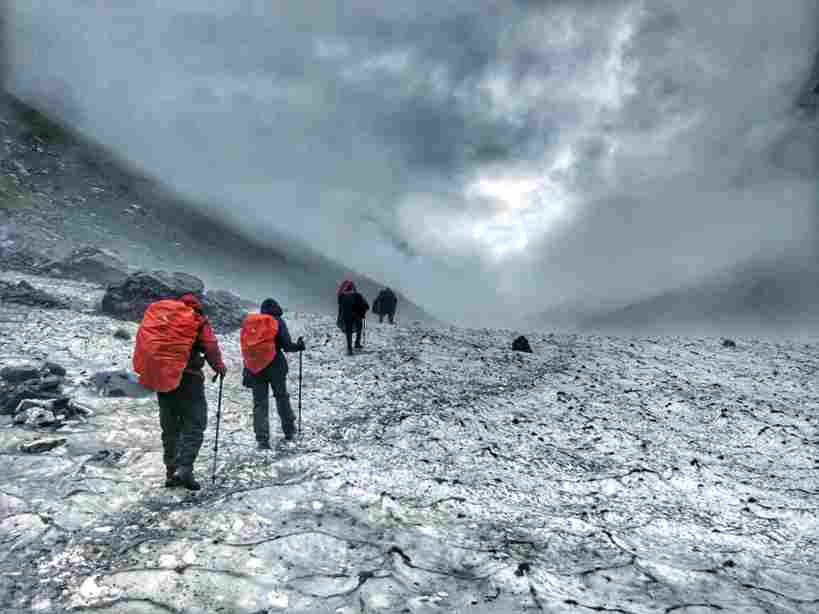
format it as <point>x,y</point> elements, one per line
<point>437,471</point>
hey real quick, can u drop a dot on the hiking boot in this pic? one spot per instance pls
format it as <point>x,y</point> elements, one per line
<point>288,443</point>
<point>263,445</point>
<point>185,477</point>
<point>358,346</point>
<point>171,481</point>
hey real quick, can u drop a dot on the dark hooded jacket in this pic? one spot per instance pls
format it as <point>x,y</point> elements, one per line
<point>278,368</point>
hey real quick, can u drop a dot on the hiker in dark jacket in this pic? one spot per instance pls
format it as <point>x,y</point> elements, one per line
<point>273,376</point>
<point>352,309</point>
<point>183,412</point>
<point>385,304</point>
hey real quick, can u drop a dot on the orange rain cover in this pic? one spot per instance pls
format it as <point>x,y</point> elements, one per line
<point>258,341</point>
<point>163,344</point>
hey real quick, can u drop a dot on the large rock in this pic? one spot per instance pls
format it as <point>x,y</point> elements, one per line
<point>225,310</point>
<point>521,344</point>
<point>22,372</point>
<point>36,417</point>
<point>93,264</point>
<point>39,446</point>
<point>119,384</point>
<point>129,299</point>
<point>23,293</point>
<point>12,394</point>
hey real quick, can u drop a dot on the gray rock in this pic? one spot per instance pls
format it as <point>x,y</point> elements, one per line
<point>129,299</point>
<point>94,264</point>
<point>54,369</point>
<point>521,344</point>
<point>123,334</point>
<point>38,446</point>
<point>729,343</point>
<point>119,384</point>
<point>225,310</point>
<point>14,374</point>
<point>36,417</point>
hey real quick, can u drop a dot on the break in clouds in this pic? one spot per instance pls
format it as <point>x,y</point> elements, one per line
<point>489,159</point>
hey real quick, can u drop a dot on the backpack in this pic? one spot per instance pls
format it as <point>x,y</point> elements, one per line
<point>164,342</point>
<point>258,341</point>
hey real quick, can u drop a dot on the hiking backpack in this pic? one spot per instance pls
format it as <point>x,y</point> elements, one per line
<point>164,342</point>
<point>258,341</point>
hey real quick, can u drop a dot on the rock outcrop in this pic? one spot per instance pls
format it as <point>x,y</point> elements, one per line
<point>129,299</point>
<point>23,293</point>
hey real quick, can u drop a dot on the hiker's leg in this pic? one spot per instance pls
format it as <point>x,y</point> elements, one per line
<point>283,407</point>
<point>169,421</point>
<point>261,410</point>
<point>390,316</point>
<point>359,325</point>
<point>348,333</point>
<point>194,408</point>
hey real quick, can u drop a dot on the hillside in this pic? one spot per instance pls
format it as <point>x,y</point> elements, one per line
<point>437,471</point>
<point>59,191</point>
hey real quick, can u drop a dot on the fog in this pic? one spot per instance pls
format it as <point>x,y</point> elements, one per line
<point>489,159</point>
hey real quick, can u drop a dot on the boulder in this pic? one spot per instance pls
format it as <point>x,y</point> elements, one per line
<point>521,344</point>
<point>93,264</point>
<point>225,310</point>
<point>23,293</point>
<point>729,343</point>
<point>39,446</point>
<point>43,388</point>
<point>119,384</point>
<point>14,374</point>
<point>129,299</point>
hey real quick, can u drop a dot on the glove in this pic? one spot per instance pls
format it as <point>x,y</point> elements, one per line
<point>300,344</point>
<point>221,370</point>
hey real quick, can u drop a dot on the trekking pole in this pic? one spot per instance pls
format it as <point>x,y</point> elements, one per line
<point>218,420</point>
<point>300,353</point>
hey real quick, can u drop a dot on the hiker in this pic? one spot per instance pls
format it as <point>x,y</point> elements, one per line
<point>385,304</point>
<point>264,335</point>
<point>173,342</point>
<point>352,309</point>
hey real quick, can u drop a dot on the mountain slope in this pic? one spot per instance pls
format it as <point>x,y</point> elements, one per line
<point>57,190</point>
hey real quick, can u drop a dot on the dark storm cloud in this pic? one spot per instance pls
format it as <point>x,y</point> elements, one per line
<point>498,153</point>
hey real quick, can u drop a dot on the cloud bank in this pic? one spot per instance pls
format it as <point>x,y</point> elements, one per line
<point>489,159</point>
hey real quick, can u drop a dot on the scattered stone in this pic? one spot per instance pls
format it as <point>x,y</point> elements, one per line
<point>122,333</point>
<point>108,457</point>
<point>23,293</point>
<point>119,384</point>
<point>45,444</point>
<point>129,299</point>
<point>521,344</point>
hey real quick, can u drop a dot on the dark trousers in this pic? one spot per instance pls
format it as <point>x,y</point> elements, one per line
<point>349,327</point>
<point>261,407</point>
<point>183,416</point>
<point>390,315</point>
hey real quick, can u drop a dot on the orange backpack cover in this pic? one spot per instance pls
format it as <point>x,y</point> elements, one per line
<point>258,341</point>
<point>164,341</point>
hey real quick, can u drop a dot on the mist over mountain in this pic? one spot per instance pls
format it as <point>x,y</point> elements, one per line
<point>490,160</point>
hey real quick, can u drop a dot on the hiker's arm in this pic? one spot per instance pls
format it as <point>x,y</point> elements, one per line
<point>283,339</point>
<point>211,346</point>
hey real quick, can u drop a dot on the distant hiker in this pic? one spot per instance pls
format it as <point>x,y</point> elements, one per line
<point>264,339</point>
<point>352,309</point>
<point>385,304</point>
<point>173,342</point>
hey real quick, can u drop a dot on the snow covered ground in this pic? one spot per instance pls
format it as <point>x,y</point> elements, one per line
<point>438,471</point>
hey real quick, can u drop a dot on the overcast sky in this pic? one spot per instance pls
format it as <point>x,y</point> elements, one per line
<point>483,157</point>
